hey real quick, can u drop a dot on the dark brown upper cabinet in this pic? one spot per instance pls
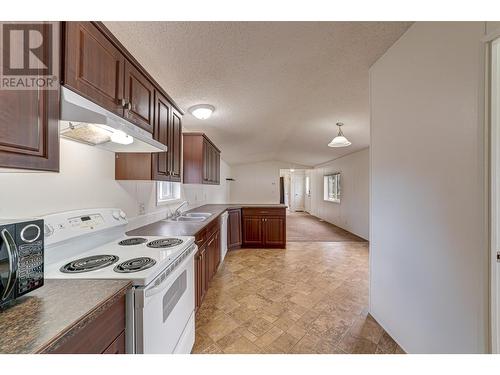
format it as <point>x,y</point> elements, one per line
<point>159,166</point>
<point>93,66</point>
<point>201,160</point>
<point>138,98</point>
<point>98,67</point>
<point>168,130</point>
<point>175,148</point>
<point>29,128</point>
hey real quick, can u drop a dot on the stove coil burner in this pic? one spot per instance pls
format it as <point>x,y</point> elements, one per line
<point>164,243</point>
<point>135,265</point>
<point>132,241</point>
<point>88,264</point>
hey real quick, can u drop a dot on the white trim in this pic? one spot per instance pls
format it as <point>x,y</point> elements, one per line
<point>494,122</point>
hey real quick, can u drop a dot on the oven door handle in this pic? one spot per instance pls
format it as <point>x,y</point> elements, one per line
<point>161,286</point>
<point>13,261</point>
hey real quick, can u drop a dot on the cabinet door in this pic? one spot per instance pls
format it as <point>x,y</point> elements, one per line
<point>163,119</point>
<point>252,231</point>
<point>93,66</point>
<point>217,167</point>
<point>139,98</point>
<point>199,278</point>
<point>217,252</point>
<point>274,232</point>
<point>175,147</point>
<point>29,127</point>
<point>205,161</point>
<point>211,257</point>
<point>117,346</point>
<point>234,229</point>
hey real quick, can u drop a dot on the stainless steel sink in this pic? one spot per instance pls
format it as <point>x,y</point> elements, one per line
<point>198,214</point>
<point>191,217</point>
<point>187,218</point>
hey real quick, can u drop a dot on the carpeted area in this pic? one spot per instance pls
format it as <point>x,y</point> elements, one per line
<point>302,227</point>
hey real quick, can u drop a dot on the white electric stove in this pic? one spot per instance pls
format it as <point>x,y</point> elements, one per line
<point>91,244</point>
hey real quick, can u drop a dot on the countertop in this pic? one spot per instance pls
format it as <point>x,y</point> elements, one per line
<point>172,228</point>
<point>38,320</point>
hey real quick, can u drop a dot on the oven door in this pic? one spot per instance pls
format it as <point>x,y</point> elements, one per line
<point>163,311</point>
<point>8,263</point>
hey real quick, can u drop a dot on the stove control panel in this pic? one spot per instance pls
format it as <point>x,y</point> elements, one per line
<point>65,225</point>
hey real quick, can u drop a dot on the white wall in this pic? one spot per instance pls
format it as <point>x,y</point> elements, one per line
<point>257,182</point>
<point>428,255</point>
<point>86,180</point>
<point>352,213</point>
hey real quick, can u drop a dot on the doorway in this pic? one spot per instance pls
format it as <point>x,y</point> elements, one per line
<point>298,191</point>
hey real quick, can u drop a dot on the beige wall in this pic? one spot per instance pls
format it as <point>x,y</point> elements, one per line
<point>428,252</point>
<point>86,180</point>
<point>352,213</point>
<point>257,182</point>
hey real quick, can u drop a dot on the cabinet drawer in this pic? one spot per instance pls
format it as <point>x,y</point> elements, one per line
<point>201,237</point>
<point>117,346</point>
<point>262,211</point>
<point>97,335</point>
<point>212,228</point>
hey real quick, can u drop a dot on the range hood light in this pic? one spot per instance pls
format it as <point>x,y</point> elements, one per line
<point>84,121</point>
<point>121,137</point>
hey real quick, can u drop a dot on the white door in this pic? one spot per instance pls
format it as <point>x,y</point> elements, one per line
<point>495,196</point>
<point>298,192</point>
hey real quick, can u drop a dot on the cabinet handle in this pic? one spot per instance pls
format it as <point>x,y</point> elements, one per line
<point>129,106</point>
<point>123,102</point>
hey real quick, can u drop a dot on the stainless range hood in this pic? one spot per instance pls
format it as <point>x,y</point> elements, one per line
<point>89,123</point>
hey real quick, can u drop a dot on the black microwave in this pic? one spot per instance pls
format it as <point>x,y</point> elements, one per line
<point>21,258</point>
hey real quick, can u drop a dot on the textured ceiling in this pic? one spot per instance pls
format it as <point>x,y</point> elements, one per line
<point>278,87</point>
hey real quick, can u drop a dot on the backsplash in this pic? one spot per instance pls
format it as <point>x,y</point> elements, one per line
<point>86,180</point>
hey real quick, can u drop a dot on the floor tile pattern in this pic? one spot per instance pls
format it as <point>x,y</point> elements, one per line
<point>309,298</point>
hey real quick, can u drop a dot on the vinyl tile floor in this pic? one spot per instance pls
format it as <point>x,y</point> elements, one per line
<point>310,298</point>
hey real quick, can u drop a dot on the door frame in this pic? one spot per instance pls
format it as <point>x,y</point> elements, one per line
<point>493,133</point>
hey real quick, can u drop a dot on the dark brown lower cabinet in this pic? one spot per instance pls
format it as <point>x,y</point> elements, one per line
<point>207,260</point>
<point>234,229</point>
<point>264,227</point>
<point>252,231</point>
<point>104,334</point>
<point>200,275</point>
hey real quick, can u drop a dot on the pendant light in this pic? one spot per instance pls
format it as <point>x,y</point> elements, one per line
<point>339,140</point>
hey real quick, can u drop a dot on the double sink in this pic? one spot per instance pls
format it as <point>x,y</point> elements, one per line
<point>191,217</point>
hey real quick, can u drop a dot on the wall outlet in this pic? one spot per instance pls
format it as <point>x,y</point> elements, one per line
<point>142,208</point>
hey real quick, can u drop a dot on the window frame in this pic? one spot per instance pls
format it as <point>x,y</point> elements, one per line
<point>174,196</point>
<point>333,181</point>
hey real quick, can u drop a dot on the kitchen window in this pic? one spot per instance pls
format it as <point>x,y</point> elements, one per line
<point>332,188</point>
<point>167,191</point>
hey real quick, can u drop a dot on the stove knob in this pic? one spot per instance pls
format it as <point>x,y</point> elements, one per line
<point>48,230</point>
<point>116,215</point>
<point>123,215</point>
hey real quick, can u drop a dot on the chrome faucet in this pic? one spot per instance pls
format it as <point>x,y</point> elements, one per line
<point>177,212</point>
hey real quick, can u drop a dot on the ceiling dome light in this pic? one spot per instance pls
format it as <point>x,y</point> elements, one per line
<point>339,140</point>
<point>202,111</point>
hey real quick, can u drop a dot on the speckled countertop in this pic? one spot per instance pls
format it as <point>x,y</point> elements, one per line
<point>36,321</point>
<point>172,228</point>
